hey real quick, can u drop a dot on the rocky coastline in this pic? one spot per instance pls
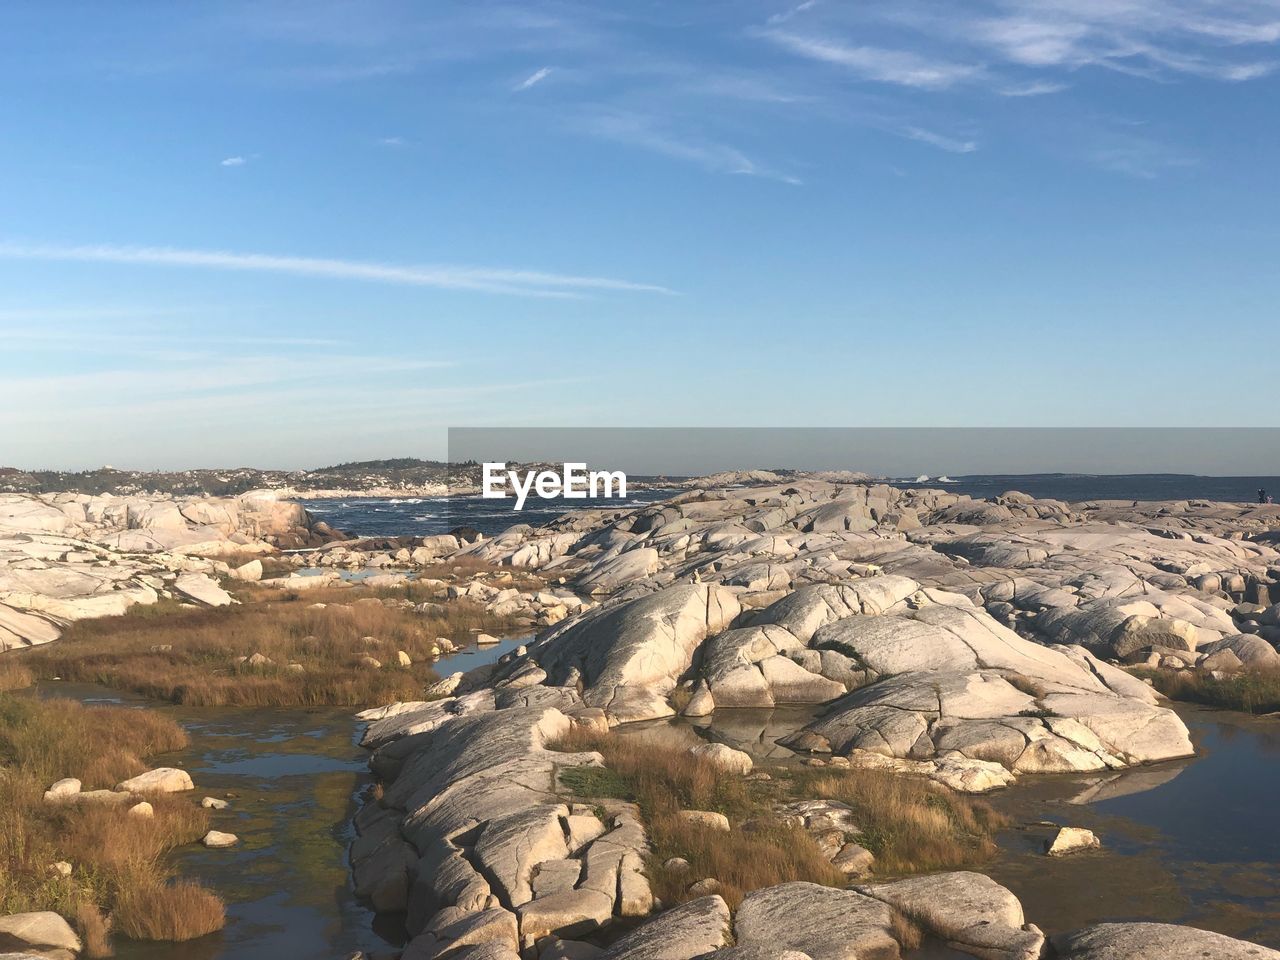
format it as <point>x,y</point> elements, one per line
<point>969,642</point>
<point>962,643</point>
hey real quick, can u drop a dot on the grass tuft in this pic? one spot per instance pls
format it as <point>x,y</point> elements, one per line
<point>1251,691</point>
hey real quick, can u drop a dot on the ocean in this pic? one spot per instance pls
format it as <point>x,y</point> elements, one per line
<point>418,517</point>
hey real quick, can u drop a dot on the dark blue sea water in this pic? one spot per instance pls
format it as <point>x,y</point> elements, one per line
<point>382,517</point>
<point>420,517</point>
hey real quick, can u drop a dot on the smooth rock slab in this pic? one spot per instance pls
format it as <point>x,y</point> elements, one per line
<point>1155,941</point>
<point>689,930</point>
<point>825,923</point>
<point>969,911</point>
<point>568,913</point>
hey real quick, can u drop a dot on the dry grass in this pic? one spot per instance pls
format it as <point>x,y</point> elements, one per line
<point>95,931</point>
<point>1252,691</point>
<point>188,655</point>
<point>908,823</point>
<point>175,911</point>
<point>118,860</point>
<point>664,780</point>
<point>13,674</point>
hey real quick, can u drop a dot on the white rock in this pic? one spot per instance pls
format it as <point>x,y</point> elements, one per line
<point>215,839</point>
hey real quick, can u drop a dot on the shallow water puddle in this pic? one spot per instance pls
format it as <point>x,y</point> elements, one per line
<point>292,778</point>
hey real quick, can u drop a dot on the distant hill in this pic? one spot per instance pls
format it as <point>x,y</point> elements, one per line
<point>395,474</point>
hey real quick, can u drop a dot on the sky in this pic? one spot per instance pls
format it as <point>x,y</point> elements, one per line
<point>289,234</point>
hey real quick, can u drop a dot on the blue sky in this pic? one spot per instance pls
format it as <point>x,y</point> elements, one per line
<point>295,233</point>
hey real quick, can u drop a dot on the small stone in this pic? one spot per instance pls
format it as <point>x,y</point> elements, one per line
<point>215,839</point>
<point>1071,840</point>
<point>701,704</point>
<point>62,790</point>
<point>295,668</point>
<point>815,762</point>
<point>213,803</point>
<point>61,868</point>
<point>373,663</point>
<point>403,659</point>
<point>705,888</point>
<point>260,660</point>
<point>705,818</point>
<point>484,639</point>
<point>676,865</point>
<point>724,758</point>
<point>142,809</point>
<point>853,860</point>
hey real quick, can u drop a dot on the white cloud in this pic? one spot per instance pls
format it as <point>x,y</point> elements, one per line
<point>391,141</point>
<point>533,79</point>
<point>941,141</point>
<point>901,67</point>
<point>486,280</point>
<point>232,162</point>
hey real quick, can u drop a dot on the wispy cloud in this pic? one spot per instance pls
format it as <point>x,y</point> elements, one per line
<point>791,12</point>
<point>647,134</point>
<point>1034,88</point>
<point>901,67</point>
<point>518,282</point>
<point>939,140</point>
<point>232,162</point>
<point>391,141</point>
<point>1136,156</point>
<point>533,79</point>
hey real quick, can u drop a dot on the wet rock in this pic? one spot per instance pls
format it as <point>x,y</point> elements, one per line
<point>1070,840</point>
<point>216,839</point>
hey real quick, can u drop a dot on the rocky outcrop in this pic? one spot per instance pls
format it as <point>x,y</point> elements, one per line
<point>968,641</point>
<point>475,839</point>
<point>68,557</point>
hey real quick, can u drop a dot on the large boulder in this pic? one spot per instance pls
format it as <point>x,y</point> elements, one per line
<point>44,933</point>
<point>630,655</point>
<point>1155,941</point>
